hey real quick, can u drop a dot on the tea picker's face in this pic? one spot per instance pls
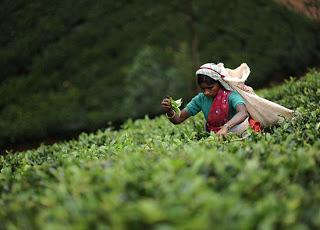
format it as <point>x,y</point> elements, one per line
<point>210,90</point>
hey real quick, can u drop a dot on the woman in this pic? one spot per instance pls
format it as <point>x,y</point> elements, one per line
<point>224,109</point>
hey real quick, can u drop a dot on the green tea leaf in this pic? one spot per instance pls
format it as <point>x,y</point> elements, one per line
<point>176,105</point>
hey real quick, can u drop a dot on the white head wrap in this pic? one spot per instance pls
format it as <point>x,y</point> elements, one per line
<point>216,72</point>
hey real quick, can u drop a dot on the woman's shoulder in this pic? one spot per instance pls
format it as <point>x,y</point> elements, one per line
<point>199,99</point>
<point>234,94</point>
<point>235,97</point>
<point>199,96</point>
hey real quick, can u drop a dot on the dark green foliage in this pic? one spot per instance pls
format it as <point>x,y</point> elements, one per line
<point>268,38</point>
<point>155,175</point>
<point>152,77</point>
<point>71,65</point>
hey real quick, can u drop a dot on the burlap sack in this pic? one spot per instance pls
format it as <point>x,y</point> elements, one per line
<point>266,112</point>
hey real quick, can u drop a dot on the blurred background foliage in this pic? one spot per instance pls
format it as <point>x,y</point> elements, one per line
<point>72,66</point>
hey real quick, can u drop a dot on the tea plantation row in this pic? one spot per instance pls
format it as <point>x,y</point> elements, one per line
<point>154,175</point>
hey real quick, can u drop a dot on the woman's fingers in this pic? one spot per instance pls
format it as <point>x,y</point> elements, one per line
<point>166,102</point>
<point>222,133</point>
<point>166,106</point>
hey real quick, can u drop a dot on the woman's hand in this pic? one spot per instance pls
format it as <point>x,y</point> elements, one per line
<point>166,105</point>
<point>173,117</point>
<point>223,131</point>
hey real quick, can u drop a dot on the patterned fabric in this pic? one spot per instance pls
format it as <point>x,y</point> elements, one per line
<point>215,72</point>
<point>219,112</point>
<point>255,125</point>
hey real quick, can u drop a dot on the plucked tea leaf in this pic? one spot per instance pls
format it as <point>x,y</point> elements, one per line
<point>176,105</point>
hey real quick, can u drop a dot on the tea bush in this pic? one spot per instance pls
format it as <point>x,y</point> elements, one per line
<point>154,175</point>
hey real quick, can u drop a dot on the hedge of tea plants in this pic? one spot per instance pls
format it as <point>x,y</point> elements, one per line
<point>154,175</point>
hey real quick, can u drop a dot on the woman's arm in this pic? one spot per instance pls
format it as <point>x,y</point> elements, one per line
<point>175,118</point>
<point>172,116</point>
<point>238,118</point>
